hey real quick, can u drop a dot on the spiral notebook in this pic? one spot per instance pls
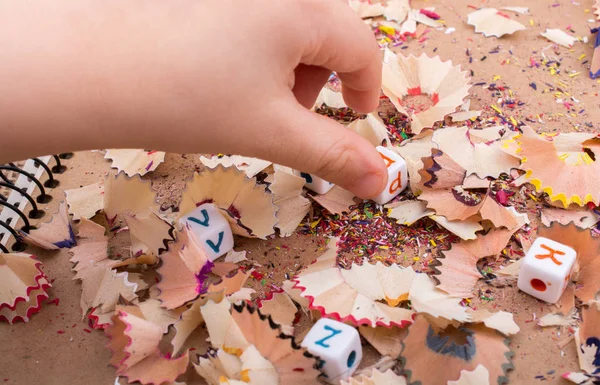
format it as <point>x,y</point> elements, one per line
<point>26,190</point>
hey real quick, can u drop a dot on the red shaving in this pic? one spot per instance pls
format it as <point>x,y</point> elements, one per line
<point>350,318</point>
<point>502,197</point>
<point>430,14</point>
<point>204,201</point>
<point>54,301</point>
<point>297,318</point>
<point>256,275</point>
<point>414,91</point>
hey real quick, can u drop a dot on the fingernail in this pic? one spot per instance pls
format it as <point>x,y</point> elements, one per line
<point>369,186</point>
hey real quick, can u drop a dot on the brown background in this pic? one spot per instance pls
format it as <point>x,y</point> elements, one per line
<point>35,352</point>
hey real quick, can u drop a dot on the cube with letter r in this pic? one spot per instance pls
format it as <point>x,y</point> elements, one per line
<point>210,228</point>
<point>338,347</point>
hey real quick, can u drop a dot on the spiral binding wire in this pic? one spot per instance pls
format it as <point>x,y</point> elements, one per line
<point>25,188</point>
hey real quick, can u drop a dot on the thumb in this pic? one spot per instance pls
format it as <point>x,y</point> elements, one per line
<point>318,145</point>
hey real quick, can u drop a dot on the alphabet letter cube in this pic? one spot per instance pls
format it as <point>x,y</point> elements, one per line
<point>211,230</point>
<point>546,269</point>
<point>397,175</point>
<point>337,345</point>
<point>313,182</point>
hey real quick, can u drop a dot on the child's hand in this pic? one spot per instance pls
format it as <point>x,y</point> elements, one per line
<point>230,76</point>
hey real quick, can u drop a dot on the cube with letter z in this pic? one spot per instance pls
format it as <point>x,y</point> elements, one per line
<point>337,345</point>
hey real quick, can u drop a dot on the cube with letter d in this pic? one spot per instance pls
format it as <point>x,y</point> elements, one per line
<point>210,228</point>
<point>337,345</point>
<point>397,175</point>
<point>546,269</point>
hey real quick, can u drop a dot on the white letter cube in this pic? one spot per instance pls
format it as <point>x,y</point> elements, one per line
<point>316,184</point>
<point>397,175</point>
<point>546,269</point>
<point>210,228</point>
<point>337,345</point>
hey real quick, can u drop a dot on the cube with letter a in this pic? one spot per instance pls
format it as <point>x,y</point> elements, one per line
<point>210,228</point>
<point>338,347</point>
<point>546,269</point>
<point>397,175</point>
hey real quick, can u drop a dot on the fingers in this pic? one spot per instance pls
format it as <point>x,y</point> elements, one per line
<point>341,42</point>
<point>315,144</point>
<point>308,83</point>
<point>363,100</point>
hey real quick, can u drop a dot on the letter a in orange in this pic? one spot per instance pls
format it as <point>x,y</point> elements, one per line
<point>388,161</point>
<point>396,183</point>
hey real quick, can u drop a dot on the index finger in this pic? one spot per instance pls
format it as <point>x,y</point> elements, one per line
<point>340,41</point>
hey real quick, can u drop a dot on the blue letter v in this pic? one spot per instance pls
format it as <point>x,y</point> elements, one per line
<point>198,221</point>
<point>218,245</point>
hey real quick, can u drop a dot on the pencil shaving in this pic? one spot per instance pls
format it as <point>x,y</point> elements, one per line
<point>372,129</point>
<point>479,376</point>
<point>149,233</point>
<point>184,271</point>
<point>254,346</point>
<point>559,37</point>
<point>293,206</point>
<point>377,378</point>
<point>85,202</point>
<point>135,162</point>
<point>23,285</point>
<point>563,166</point>
<point>491,22</point>
<point>123,194</point>
<point>423,88</point>
<point>133,341</point>
<point>347,295</point>
<point>426,347</point>
<point>336,201</point>
<point>251,166</point>
<point>387,341</point>
<point>53,235</point>
<point>248,206</point>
